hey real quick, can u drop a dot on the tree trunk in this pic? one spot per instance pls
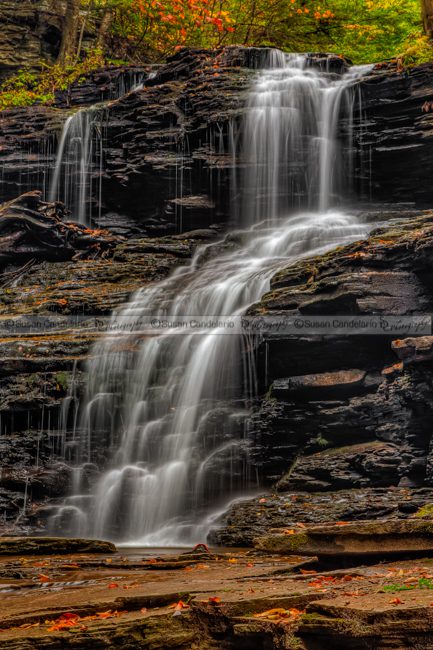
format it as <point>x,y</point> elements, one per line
<point>104,28</point>
<point>427,16</point>
<point>69,32</point>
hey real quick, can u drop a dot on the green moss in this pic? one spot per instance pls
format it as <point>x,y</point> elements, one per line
<point>392,588</point>
<point>425,511</point>
<point>62,380</point>
<point>423,583</point>
<point>33,380</point>
<point>27,88</point>
<point>321,441</point>
<point>294,643</point>
<point>297,540</point>
<point>426,526</point>
<point>269,396</point>
<point>313,617</point>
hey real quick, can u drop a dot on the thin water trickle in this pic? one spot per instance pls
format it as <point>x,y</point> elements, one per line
<point>77,175</point>
<point>163,445</point>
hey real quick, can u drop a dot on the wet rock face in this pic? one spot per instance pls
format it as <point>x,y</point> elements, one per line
<point>168,159</point>
<point>168,163</point>
<point>345,412</point>
<point>373,464</point>
<point>30,31</point>
<point>395,136</point>
<point>250,519</point>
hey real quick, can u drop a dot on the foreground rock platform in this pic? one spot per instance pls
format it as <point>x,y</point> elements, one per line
<point>52,545</point>
<point>221,600</point>
<point>384,538</point>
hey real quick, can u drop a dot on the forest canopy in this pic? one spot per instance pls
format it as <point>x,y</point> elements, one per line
<point>363,30</point>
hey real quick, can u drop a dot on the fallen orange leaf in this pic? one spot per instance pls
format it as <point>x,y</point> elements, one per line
<point>179,605</point>
<point>43,578</point>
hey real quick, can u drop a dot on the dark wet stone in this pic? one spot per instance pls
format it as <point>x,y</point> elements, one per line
<point>52,545</point>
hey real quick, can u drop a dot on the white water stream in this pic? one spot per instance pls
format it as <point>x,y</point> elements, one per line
<point>80,152</point>
<point>161,443</point>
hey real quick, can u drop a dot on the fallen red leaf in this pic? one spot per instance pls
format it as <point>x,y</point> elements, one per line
<point>43,578</point>
<point>69,616</point>
<point>201,547</point>
<point>180,605</point>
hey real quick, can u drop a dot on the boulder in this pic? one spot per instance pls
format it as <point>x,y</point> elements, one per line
<point>373,464</point>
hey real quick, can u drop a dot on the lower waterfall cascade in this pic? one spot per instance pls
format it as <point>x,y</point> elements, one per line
<point>160,445</point>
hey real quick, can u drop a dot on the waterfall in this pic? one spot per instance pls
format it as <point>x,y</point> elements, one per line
<point>79,157</point>
<point>293,158</point>
<point>161,444</point>
<point>73,173</point>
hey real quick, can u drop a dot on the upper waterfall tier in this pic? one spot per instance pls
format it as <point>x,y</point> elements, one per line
<point>293,153</point>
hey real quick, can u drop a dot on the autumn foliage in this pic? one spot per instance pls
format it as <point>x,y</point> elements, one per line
<point>364,30</point>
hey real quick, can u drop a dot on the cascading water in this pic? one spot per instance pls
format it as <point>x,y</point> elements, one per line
<point>161,442</point>
<point>79,144</point>
<point>77,175</point>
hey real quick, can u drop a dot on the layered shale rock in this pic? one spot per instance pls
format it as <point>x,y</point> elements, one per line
<point>394,134</point>
<point>384,538</point>
<point>52,546</point>
<point>344,412</point>
<point>31,33</point>
<point>168,148</point>
<point>167,159</point>
<point>51,314</point>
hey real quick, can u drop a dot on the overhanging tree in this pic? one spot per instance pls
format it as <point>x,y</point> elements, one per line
<point>427,16</point>
<point>69,32</point>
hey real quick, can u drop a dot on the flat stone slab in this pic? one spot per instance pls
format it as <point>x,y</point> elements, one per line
<point>331,383</point>
<point>384,538</point>
<point>52,546</point>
